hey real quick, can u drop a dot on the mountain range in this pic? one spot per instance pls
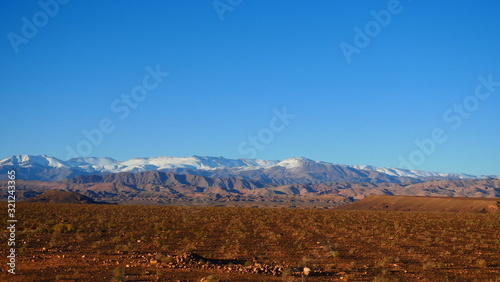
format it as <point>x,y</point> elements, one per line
<point>289,171</point>
<point>167,180</point>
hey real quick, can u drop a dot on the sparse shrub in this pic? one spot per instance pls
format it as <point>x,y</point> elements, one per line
<point>329,267</point>
<point>79,237</point>
<point>63,228</point>
<point>482,263</point>
<point>163,258</point>
<point>122,248</point>
<point>429,265</point>
<point>160,273</point>
<point>385,261</point>
<point>42,230</point>
<point>335,254</point>
<point>287,272</point>
<point>119,274</point>
<point>306,260</point>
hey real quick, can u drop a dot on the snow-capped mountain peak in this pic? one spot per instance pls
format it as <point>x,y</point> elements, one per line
<point>203,164</point>
<point>295,163</point>
<point>413,173</point>
<point>27,160</point>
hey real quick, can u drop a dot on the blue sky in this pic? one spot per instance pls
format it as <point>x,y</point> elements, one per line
<point>231,68</point>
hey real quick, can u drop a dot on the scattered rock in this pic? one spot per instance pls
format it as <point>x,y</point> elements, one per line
<point>306,271</point>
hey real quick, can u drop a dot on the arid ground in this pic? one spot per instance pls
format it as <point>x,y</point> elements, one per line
<point>87,242</point>
<point>425,204</point>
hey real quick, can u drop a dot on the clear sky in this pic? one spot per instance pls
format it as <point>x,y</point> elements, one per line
<point>361,82</point>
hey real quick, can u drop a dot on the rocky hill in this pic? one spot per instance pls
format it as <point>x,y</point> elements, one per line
<point>67,197</point>
<point>427,204</point>
<point>166,187</point>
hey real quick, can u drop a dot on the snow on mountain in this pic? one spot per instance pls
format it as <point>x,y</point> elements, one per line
<point>296,163</point>
<point>414,173</point>
<point>194,162</point>
<point>253,163</point>
<point>109,165</point>
<point>93,164</point>
<point>159,163</point>
<point>27,160</point>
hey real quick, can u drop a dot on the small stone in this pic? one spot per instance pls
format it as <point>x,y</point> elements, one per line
<point>306,271</point>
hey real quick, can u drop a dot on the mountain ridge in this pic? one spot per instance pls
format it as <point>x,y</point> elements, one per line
<point>288,171</point>
<point>157,187</point>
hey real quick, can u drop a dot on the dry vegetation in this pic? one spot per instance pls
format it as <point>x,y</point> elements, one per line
<point>150,243</point>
